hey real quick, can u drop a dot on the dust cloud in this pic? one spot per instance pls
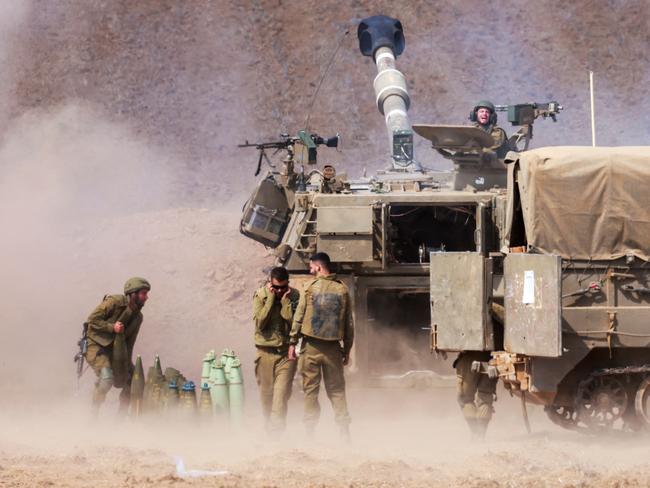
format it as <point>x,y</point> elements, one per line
<point>67,173</point>
<point>117,158</point>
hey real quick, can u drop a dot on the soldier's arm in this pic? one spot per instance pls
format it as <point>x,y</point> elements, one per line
<point>500,139</point>
<point>97,319</point>
<point>348,329</point>
<point>261,310</point>
<point>499,136</point>
<point>286,312</point>
<point>298,317</point>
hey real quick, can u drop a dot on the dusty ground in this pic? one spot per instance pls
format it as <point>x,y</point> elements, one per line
<point>410,441</point>
<point>118,125</point>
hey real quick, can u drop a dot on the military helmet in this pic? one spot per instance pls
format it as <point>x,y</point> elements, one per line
<point>135,284</point>
<point>484,104</point>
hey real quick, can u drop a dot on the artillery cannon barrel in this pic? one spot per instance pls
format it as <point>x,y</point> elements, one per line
<point>382,38</point>
<point>392,96</point>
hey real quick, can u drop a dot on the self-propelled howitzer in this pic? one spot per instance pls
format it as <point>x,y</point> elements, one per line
<point>380,231</point>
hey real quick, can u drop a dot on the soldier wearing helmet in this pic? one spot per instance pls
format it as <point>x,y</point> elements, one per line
<point>112,330</point>
<point>484,116</point>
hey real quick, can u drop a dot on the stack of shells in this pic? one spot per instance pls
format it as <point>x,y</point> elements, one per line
<point>171,394</point>
<point>166,393</point>
<point>222,383</point>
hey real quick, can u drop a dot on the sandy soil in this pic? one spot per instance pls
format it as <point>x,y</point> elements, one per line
<point>425,445</point>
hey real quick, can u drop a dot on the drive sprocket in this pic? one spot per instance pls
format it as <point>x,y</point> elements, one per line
<point>601,402</point>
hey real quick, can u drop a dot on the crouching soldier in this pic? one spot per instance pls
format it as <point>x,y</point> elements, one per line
<point>112,330</point>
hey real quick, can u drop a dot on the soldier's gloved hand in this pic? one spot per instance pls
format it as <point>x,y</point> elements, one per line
<point>346,358</point>
<point>291,355</point>
<point>118,327</point>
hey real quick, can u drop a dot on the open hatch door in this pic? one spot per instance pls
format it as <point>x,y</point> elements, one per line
<point>533,304</point>
<point>460,293</point>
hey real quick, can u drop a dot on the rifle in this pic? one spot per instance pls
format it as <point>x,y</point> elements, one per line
<point>524,115</point>
<point>287,142</point>
<point>80,357</point>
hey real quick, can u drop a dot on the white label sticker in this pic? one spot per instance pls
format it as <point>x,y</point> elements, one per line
<point>529,287</point>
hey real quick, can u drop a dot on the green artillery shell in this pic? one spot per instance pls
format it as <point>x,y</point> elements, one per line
<point>236,392</point>
<point>227,357</point>
<point>219,390</point>
<point>207,366</point>
<point>213,371</point>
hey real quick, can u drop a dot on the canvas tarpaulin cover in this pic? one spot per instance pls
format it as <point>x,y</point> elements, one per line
<point>582,202</point>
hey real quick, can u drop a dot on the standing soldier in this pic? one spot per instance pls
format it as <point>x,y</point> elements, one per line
<point>273,308</point>
<point>112,329</point>
<point>323,320</point>
<point>476,390</point>
<point>484,117</point>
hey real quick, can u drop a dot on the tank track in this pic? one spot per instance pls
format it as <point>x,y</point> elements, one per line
<point>622,411</point>
<point>622,370</point>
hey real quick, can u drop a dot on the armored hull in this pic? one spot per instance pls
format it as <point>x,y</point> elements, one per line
<point>572,276</point>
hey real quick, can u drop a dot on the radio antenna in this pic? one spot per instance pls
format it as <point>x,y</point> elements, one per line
<point>593,114</point>
<point>322,78</point>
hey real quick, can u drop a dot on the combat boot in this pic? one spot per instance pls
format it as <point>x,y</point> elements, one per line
<point>469,413</point>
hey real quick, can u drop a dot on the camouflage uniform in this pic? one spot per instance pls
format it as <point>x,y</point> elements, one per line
<point>501,145</point>
<point>273,370</point>
<point>475,391</point>
<point>101,340</point>
<point>324,319</point>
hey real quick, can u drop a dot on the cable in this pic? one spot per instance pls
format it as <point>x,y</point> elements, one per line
<point>322,78</point>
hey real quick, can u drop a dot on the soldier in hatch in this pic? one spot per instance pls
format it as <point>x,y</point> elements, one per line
<point>484,117</point>
<point>323,320</point>
<point>112,330</point>
<point>273,308</point>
